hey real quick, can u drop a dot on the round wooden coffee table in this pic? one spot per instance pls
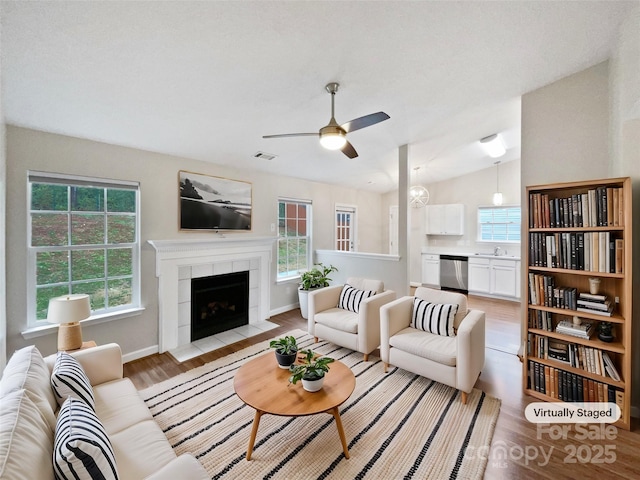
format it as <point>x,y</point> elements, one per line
<point>261,384</point>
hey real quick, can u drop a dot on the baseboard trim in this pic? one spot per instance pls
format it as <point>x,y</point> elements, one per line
<point>145,352</point>
<point>283,309</point>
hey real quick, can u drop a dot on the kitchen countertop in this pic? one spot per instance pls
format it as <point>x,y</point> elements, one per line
<point>433,251</point>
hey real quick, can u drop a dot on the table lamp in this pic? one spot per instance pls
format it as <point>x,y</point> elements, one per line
<point>68,311</point>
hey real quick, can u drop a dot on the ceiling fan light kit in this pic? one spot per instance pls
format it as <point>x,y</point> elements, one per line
<point>493,145</point>
<point>333,136</point>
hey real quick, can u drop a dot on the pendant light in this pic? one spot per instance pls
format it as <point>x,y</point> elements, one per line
<point>497,197</point>
<point>418,195</point>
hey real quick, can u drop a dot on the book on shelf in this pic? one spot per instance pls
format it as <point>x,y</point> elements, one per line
<point>588,251</point>
<point>609,366</point>
<point>570,387</point>
<point>605,313</point>
<point>598,304</point>
<point>598,207</point>
<point>584,330</point>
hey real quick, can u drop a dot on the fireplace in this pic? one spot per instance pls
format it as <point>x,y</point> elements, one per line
<point>180,261</point>
<point>219,303</point>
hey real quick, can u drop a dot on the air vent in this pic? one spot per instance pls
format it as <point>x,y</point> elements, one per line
<point>264,155</point>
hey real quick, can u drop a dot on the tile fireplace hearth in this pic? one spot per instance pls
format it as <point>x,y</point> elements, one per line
<point>179,261</point>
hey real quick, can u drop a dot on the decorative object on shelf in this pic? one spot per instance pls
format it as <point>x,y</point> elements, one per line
<point>68,311</point>
<point>317,277</point>
<point>213,203</point>
<point>493,145</point>
<point>286,350</point>
<point>497,197</point>
<point>594,286</point>
<point>311,371</point>
<point>418,195</point>
<point>577,321</point>
<point>605,332</point>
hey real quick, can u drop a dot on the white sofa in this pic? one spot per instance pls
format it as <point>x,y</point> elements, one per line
<point>453,360</point>
<point>29,409</point>
<point>357,331</point>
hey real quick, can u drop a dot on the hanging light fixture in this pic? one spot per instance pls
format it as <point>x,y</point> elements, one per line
<point>418,195</point>
<point>493,145</point>
<point>497,197</point>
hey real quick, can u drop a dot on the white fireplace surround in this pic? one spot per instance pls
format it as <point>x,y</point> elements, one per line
<point>177,261</point>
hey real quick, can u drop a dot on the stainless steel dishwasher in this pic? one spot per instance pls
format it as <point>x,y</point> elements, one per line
<point>454,272</point>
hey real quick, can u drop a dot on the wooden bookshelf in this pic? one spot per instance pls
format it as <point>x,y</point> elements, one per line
<point>560,259</point>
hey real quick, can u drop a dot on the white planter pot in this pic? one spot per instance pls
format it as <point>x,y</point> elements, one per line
<point>303,299</point>
<point>312,385</point>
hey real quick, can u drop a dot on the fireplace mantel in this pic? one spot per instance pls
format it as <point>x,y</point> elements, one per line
<point>207,257</point>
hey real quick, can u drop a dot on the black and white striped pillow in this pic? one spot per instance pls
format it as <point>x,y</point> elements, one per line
<point>433,317</point>
<point>350,298</point>
<point>82,449</point>
<point>68,379</point>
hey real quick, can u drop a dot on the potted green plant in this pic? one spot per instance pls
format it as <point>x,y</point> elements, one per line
<point>311,371</point>
<point>286,350</point>
<point>317,277</point>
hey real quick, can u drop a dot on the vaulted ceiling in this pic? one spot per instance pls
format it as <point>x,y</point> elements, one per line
<point>206,80</point>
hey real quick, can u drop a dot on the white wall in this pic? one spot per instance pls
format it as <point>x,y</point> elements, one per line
<point>158,177</point>
<point>473,190</point>
<point>3,203</point>
<point>625,128</point>
<point>565,129</point>
<point>568,133</point>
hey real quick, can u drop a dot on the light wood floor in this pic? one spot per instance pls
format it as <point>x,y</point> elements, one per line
<point>520,450</point>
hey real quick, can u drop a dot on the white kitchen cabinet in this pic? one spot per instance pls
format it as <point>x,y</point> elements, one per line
<point>479,275</point>
<point>503,278</point>
<point>446,219</point>
<point>494,277</point>
<point>431,270</point>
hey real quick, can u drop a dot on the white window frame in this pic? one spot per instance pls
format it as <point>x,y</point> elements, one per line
<point>493,208</point>
<point>37,327</point>
<point>283,277</point>
<point>349,209</point>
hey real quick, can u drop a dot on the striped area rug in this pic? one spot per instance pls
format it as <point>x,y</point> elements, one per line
<point>398,425</point>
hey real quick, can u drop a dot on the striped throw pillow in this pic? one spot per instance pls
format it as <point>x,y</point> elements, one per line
<point>350,298</point>
<point>81,448</point>
<point>69,380</point>
<point>433,317</point>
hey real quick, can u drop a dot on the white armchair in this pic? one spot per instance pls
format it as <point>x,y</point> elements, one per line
<point>453,360</point>
<point>357,331</point>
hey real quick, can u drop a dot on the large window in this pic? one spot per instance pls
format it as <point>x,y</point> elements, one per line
<point>499,224</point>
<point>83,237</point>
<point>294,237</point>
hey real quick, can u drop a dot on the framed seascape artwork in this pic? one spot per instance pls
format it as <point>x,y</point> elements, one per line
<point>213,203</point>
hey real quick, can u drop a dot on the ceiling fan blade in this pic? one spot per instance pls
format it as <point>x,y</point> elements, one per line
<point>281,135</point>
<point>349,151</point>
<point>366,121</point>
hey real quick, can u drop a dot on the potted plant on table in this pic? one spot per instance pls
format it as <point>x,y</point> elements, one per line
<point>286,350</point>
<point>317,277</point>
<point>311,371</point>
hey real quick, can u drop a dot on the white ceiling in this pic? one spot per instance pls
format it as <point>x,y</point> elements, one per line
<point>206,80</point>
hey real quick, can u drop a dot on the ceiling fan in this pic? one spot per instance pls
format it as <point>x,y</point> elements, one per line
<point>334,136</point>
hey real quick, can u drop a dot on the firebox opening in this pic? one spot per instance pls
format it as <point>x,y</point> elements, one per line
<point>219,303</point>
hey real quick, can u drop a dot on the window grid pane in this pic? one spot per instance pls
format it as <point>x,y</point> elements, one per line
<point>500,224</point>
<point>68,253</point>
<point>293,254</point>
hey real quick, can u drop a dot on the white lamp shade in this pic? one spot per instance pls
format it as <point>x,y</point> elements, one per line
<point>333,141</point>
<point>493,145</point>
<point>69,308</point>
<point>497,198</point>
